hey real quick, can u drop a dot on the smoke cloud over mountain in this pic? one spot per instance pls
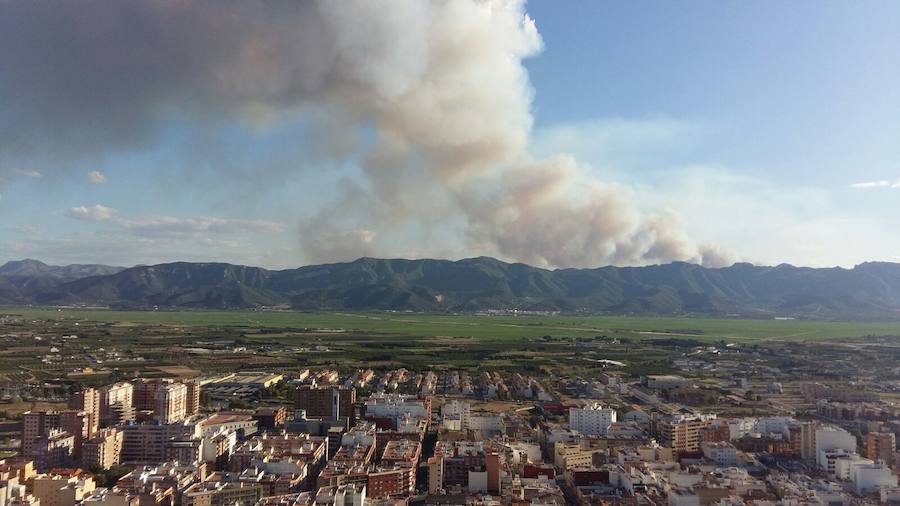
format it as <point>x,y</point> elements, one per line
<point>431,98</point>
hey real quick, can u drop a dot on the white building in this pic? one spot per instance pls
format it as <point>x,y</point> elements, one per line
<point>869,477</point>
<point>723,454</point>
<point>829,439</point>
<point>592,420</point>
<point>382,405</point>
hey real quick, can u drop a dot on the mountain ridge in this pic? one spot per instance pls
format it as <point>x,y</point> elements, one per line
<point>868,290</point>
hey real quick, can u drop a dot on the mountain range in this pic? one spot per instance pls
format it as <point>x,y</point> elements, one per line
<point>869,290</point>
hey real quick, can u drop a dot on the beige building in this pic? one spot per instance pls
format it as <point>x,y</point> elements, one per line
<point>568,456</point>
<point>55,490</point>
<point>218,493</point>
<point>88,400</point>
<point>171,402</point>
<point>38,424</point>
<point>116,404</point>
<point>681,432</point>
<point>104,450</point>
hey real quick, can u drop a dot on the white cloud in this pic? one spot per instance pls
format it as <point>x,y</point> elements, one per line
<point>883,183</point>
<point>96,177</point>
<point>29,173</point>
<point>97,212</point>
<point>160,226</point>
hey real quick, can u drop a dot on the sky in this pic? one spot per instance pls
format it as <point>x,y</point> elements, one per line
<point>281,134</point>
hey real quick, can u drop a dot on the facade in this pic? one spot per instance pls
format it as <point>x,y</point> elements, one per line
<point>464,464</point>
<point>171,402</point>
<point>150,443</point>
<point>722,453</point>
<point>88,400</point>
<point>220,493</point>
<point>192,400</point>
<point>326,402</point>
<point>45,434</point>
<point>53,450</point>
<point>116,404</point>
<point>104,449</point>
<point>880,447</point>
<point>54,490</point>
<point>144,394</point>
<point>681,432</point>
<point>830,440</point>
<point>593,419</point>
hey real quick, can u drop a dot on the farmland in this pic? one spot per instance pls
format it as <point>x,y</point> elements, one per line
<point>482,327</point>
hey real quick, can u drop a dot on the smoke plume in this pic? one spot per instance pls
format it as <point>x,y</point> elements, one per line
<point>431,97</point>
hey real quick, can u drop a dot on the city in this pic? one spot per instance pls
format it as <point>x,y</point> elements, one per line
<point>722,423</point>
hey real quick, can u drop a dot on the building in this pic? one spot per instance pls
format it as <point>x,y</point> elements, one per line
<point>55,490</point>
<point>869,477</point>
<point>722,453</point>
<point>389,408</point>
<point>44,434</point>
<point>666,382</point>
<point>192,404</point>
<point>52,450</point>
<point>351,494</point>
<point>830,439</point>
<point>116,404</point>
<point>572,455</point>
<point>221,493</point>
<point>593,419</point>
<point>171,402</point>
<point>246,425</point>
<point>270,418</point>
<point>465,464</point>
<point>153,443</point>
<point>396,475</point>
<point>88,400</point>
<point>241,385</point>
<point>680,432</point>
<point>330,402</point>
<point>144,393</point>
<point>880,447</point>
<point>103,450</point>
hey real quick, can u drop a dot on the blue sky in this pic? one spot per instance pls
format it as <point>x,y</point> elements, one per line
<point>768,130</point>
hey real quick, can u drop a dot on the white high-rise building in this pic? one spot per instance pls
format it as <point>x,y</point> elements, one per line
<point>592,420</point>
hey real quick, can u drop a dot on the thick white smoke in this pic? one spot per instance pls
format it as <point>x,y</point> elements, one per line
<point>437,88</point>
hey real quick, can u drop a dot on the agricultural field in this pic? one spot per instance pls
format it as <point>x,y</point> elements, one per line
<point>97,346</point>
<point>484,327</point>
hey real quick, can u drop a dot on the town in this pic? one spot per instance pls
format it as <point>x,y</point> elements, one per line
<point>722,424</point>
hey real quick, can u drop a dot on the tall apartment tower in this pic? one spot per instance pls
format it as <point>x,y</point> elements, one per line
<point>881,446</point>
<point>88,400</point>
<point>145,393</point>
<point>193,397</point>
<point>171,402</point>
<point>116,404</point>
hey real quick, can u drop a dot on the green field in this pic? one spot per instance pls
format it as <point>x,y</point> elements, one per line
<point>488,328</point>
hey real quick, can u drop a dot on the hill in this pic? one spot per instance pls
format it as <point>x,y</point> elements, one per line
<point>869,290</point>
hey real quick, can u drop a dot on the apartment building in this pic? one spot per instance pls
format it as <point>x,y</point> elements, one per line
<point>326,402</point>
<point>171,402</point>
<point>104,449</point>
